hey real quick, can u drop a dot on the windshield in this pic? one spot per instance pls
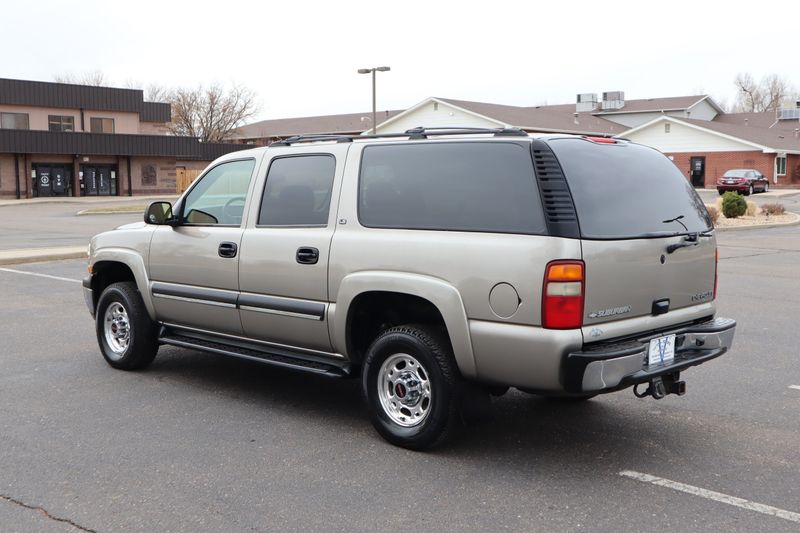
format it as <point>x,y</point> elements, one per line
<point>735,174</point>
<point>628,191</point>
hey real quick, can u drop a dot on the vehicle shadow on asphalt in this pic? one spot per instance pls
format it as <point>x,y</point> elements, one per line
<point>525,431</point>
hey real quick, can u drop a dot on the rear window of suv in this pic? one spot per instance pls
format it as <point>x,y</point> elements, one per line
<point>468,186</point>
<point>627,191</point>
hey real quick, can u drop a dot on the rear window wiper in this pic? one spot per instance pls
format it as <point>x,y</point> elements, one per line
<point>676,219</point>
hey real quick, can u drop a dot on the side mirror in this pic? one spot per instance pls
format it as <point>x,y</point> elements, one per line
<point>159,213</point>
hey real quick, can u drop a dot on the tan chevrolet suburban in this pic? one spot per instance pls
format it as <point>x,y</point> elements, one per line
<point>437,266</point>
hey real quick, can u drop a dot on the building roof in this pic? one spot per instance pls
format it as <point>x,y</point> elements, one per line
<point>555,118</point>
<point>775,138</point>
<point>656,104</point>
<point>69,96</point>
<point>766,139</point>
<point>764,119</point>
<point>286,127</point>
<point>49,142</point>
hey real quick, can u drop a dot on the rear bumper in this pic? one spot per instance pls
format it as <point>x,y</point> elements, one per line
<point>610,366</point>
<point>734,188</point>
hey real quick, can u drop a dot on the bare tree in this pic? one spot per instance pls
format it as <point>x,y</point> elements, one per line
<point>767,95</point>
<point>210,113</point>
<point>95,78</point>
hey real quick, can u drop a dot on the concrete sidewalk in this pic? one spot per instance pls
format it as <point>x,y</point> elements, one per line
<point>31,255</point>
<point>90,200</point>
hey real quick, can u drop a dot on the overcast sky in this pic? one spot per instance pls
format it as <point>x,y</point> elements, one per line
<point>301,57</point>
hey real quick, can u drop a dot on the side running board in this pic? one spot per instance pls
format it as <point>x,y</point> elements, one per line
<point>262,354</point>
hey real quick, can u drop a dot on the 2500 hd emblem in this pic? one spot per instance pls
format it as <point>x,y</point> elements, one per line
<point>610,312</point>
<point>700,296</point>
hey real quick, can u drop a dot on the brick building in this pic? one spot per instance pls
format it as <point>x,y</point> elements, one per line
<point>72,140</point>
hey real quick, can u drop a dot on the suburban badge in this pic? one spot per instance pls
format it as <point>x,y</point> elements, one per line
<point>610,312</point>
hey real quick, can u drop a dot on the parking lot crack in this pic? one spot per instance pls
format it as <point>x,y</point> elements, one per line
<point>45,512</point>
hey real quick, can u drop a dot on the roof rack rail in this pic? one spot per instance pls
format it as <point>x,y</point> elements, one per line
<point>412,134</point>
<point>423,133</point>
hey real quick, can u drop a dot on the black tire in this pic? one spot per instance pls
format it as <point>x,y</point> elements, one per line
<point>432,350</point>
<point>720,192</point>
<point>749,190</point>
<point>142,337</point>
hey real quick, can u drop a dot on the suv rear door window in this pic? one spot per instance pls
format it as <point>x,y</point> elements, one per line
<point>298,191</point>
<point>469,186</point>
<point>626,190</point>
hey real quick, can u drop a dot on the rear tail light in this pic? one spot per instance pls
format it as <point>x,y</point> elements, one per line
<point>562,295</point>
<point>716,269</point>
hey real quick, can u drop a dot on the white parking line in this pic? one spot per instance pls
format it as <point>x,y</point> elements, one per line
<point>711,495</point>
<point>13,271</point>
<point>795,387</point>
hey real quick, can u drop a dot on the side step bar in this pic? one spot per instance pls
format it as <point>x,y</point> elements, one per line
<point>276,357</point>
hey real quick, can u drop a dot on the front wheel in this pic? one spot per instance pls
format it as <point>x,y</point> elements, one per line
<point>750,190</point>
<point>411,385</point>
<point>766,187</point>
<point>127,337</point>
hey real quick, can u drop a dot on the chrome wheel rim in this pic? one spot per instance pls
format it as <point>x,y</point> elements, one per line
<point>117,330</point>
<point>404,389</point>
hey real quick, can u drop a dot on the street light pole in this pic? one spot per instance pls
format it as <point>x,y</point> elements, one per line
<point>373,71</point>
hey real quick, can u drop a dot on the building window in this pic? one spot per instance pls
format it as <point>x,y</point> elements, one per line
<point>61,123</point>
<point>102,125</point>
<point>666,127</point>
<point>14,121</point>
<point>780,165</point>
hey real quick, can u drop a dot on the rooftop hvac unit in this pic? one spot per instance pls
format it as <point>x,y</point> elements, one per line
<point>789,113</point>
<point>586,102</point>
<point>613,100</point>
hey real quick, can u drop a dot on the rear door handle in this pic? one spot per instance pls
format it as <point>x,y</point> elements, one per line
<point>307,255</point>
<point>228,249</point>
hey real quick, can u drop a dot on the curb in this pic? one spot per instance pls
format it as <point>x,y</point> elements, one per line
<point>13,257</point>
<point>86,212</point>
<point>761,226</point>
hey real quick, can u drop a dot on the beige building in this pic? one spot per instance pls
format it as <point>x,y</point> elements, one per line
<point>73,140</point>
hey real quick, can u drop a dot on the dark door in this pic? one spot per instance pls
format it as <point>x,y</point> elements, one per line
<point>44,184</point>
<point>103,181</point>
<point>99,180</point>
<point>698,171</point>
<point>59,180</point>
<point>89,181</point>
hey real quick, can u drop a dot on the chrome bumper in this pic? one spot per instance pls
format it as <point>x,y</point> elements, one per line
<point>612,366</point>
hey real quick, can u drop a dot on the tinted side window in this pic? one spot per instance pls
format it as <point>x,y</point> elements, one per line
<point>219,196</point>
<point>475,186</point>
<point>628,191</point>
<point>298,191</point>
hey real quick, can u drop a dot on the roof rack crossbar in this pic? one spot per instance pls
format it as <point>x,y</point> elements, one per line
<point>412,134</point>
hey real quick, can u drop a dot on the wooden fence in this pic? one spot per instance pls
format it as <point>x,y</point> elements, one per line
<point>184,177</point>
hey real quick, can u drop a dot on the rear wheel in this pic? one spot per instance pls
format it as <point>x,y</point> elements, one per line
<point>411,385</point>
<point>127,337</point>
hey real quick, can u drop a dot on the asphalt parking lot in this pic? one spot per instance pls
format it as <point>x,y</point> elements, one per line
<point>203,443</point>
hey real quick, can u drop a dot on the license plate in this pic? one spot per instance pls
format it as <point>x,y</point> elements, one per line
<point>662,350</point>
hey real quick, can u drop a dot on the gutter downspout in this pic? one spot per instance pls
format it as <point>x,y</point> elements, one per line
<point>16,171</point>
<point>130,190</point>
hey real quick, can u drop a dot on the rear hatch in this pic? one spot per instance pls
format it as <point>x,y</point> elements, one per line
<point>646,237</point>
